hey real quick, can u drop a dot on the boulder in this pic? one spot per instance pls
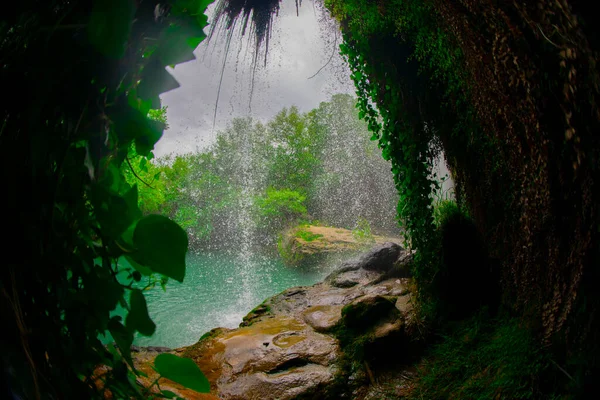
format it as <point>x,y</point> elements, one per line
<point>275,358</point>
<point>291,345</point>
<point>323,318</point>
<point>381,258</point>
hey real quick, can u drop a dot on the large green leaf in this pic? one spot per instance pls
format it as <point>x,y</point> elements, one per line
<point>138,318</point>
<point>161,246</point>
<point>183,371</point>
<point>131,124</point>
<point>110,25</point>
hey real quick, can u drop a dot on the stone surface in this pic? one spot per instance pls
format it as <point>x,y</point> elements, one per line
<point>404,305</point>
<point>286,347</point>
<point>331,240</point>
<point>381,258</point>
<point>323,318</point>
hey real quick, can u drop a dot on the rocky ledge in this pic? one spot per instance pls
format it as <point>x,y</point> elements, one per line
<point>304,242</point>
<point>316,341</point>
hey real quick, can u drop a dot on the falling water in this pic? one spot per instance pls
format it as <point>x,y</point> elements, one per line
<point>225,280</point>
<point>246,226</point>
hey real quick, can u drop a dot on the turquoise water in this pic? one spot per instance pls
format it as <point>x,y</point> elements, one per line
<point>218,290</point>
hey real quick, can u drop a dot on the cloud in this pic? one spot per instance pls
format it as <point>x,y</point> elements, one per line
<point>299,47</point>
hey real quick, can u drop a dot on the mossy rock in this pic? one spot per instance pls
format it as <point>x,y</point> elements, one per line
<point>257,312</point>
<point>365,312</point>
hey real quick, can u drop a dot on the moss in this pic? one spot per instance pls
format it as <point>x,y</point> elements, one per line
<point>285,247</point>
<point>256,312</point>
<point>306,235</point>
<point>367,313</point>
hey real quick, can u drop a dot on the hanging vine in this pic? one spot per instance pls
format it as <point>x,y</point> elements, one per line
<point>88,74</point>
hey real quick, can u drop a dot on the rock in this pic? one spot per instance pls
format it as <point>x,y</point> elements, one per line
<point>286,385</point>
<point>351,275</point>
<point>404,305</point>
<point>366,311</point>
<point>387,328</point>
<point>323,318</point>
<point>290,346</point>
<point>156,349</point>
<point>144,361</point>
<point>312,239</point>
<point>381,258</point>
<point>274,358</point>
<point>344,283</point>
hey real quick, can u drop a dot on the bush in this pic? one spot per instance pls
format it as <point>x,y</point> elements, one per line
<point>486,358</point>
<point>466,279</point>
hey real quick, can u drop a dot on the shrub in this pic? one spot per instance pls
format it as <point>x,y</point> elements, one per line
<point>466,279</point>
<point>486,358</point>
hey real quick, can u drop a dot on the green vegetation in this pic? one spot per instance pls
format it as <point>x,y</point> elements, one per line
<point>362,232</point>
<point>472,81</point>
<point>293,168</point>
<point>508,91</point>
<point>486,358</point>
<point>306,235</point>
<point>286,251</point>
<point>89,123</point>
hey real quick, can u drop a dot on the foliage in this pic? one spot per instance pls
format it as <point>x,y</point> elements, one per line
<point>362,232</point>
<point>443,210</point>
<point>159,115</point>
<point>181,370</point>
<point>281,204</point>
<point>306,235</point>
<point>408,116</point>
<point>85,120</point>
<point>297,166</point>
<point>486,358</point>
<point>506,90</point>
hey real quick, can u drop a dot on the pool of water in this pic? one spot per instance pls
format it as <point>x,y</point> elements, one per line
<point>218,290</point>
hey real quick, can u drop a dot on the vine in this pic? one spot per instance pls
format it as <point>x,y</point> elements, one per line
<point>510,91</point>
<point>400,97</point>
<point>92,74</point>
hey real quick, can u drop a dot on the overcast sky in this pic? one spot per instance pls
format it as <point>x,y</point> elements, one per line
<point>299,47</point>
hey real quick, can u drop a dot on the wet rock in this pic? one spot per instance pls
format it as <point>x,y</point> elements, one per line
<point>289,346</point>
<point>284,385</point>
<point>279,350</point>
<point>323,318</point>
<point>156,349</point>
<point>366,311</point>
<point>381,258</point>
<point>344,283</point>
<point>346,278</point>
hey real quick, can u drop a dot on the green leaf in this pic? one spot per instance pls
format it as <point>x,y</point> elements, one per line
<point>183,371</point>
<point>140,268</point>
<point>168,394</point>
<point>109,26</point>
<point>123,337</point>
<point>194,42</point>
<point>130,124</point>
<point>144,165</point>
<point>138,318</point>
<point>115,213</point>
<point>161,246</point>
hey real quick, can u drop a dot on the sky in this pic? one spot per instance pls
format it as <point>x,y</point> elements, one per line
<point>299,47</point>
